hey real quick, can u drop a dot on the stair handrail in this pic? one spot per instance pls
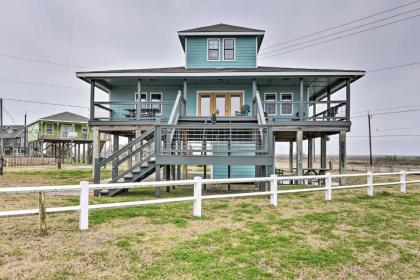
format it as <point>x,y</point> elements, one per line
<point>260,110</point>
<point>175,113</point>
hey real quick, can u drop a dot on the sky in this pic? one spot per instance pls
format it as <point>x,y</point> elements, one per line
<point>83,35</point>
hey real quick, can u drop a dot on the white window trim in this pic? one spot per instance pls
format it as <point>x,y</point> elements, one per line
<point>234,49</point>
<point>281,103</point>
<point>265,100</point>
<point>46,130</point>
<point>207,48</point>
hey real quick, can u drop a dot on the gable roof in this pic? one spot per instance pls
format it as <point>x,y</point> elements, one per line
<point>16,131</point>
<point>221,29</point>
<point>66,117</point>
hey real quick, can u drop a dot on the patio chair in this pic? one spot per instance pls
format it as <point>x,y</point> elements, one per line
<point>245,109</point>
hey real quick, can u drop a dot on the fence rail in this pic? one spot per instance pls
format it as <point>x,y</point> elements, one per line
<point>197,183</point>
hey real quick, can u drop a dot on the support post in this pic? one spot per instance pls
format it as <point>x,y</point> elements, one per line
<point>273,190</point>
<point>301,101</point>
<point>328,184</point>
<point>291,156</point>
<point>299,153</point>
<point>157,188</point>
<point>42,214</point>
<point>167,170</point>
<point>84,206</point>
<point>370,183</point>
<point>403,181</point>
<point>342,156</point>
<point>324,151</point>
<point>197,196</point>
<point>115,147</point>
<point>1,164</point>
<point>95,146</point>
<point>96,171</point>
<point>310,152</point>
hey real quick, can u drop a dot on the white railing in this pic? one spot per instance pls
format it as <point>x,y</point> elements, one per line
<point>85,188</point>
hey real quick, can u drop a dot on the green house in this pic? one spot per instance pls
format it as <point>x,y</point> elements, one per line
<point>61,134</point>
<point>220,109</point>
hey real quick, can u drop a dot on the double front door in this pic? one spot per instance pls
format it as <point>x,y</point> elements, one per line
<point>223,104</point>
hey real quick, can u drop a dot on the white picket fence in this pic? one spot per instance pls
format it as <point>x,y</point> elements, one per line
<point>85,188</point>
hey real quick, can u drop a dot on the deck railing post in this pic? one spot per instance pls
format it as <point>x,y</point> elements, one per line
<point>84,206</point>
<point>273,190</point>
<point>197,196</point>
<point>370,183</point>
<point>328,183</point>
<point>403,181</point>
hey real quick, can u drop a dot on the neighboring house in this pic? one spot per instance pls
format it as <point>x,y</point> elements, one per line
<point>14,139</point>
<point>220,109</point>
<point>63,135</point>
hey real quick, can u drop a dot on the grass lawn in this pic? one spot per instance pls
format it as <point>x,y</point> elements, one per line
<point>353,236</point>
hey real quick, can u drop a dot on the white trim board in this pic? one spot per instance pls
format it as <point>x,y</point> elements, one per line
<point>218,74</point>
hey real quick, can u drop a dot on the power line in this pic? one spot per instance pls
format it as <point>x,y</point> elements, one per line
<point>43,61</point>
<point>339,32</point>
<point>10,116</point>
<point>46,103</point>
<point>393,67</point>
<point>41,84</point>
<point>387,108</point>
<point>387,113</point>
<point>340,25</point>
<point>341,37</point>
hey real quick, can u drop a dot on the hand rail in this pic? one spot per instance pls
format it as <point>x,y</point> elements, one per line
<point>260,110</point>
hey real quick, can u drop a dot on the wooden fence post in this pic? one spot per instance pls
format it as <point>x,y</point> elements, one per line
<point>403,184</point>
<point>328,183</point>
<point>42,214</point>
<point>197,196</point>
<point>370,183</point>
<point>84,206</point>
<point>273,190</point>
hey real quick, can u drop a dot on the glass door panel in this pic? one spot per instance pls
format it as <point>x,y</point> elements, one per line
<point>235,104</point>
<point>220,109</point>
<point>204,106</point>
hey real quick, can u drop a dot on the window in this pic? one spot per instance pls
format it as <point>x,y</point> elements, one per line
<point>228,49</point>
<point>270,103</point>
<point>213,49</point>
<point>286,103</point>
<point>157,98</point>
<point>49,128</point>
<point>85,130</point>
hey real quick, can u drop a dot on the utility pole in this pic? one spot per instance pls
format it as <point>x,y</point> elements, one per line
<point>370,140</point>
<point>1,138</point>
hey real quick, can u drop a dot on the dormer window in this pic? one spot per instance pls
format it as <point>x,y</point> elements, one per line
<point>213,49</point>
<point>229,49</point>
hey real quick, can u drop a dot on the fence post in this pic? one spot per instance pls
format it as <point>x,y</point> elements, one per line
<point>370,183</point>
<point>328,183</point>
<point>84,206</point>
<point>197,196</point>
<point>403,184</point>
<point>42,214</point>
<point>273,190</point>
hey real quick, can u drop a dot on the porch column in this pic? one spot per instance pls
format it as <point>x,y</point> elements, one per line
<point>342,156</point>
<point>299,153</point>
<point>184,143</point>
<point>92,100</point>
<point>96,143</point>
<point>301,104</point>
<point>310,152</point>
<point>254,93</point>
<point>138,104</point>
<point>348,99</point>
<point>324,152</point>
<point>137,156</point>
<point>291,156</point>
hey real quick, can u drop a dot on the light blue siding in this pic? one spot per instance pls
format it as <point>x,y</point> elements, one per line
<point>236,171</point>
<point>245,53</point>
<point>126,94</point>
